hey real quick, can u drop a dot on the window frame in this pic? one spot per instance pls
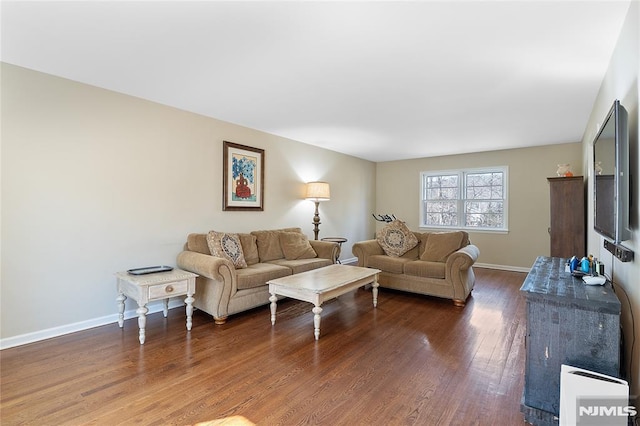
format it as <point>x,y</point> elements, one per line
<point>460,201</point>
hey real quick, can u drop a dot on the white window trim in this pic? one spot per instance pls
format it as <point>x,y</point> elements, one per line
<point>461,173</point>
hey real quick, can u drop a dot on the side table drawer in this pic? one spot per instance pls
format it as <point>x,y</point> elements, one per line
<point>162,291</point>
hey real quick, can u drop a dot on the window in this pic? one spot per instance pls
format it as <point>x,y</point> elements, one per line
<point>464,199</point>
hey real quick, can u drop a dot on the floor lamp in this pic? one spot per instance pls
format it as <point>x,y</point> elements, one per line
<point>316,192</point>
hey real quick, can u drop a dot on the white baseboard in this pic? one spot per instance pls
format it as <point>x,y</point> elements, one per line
<point>49,333</point>
<point>502,267</point>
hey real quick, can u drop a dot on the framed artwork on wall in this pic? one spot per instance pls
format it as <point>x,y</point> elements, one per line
<point>243,177</point>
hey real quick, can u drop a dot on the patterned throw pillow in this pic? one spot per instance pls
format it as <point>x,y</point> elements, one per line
<point>396,239</point>
<point>227,246</point>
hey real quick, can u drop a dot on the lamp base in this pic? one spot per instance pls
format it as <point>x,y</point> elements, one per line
<point>316,221</point>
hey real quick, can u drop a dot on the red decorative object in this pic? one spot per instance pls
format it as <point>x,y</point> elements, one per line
<point>242,190</point>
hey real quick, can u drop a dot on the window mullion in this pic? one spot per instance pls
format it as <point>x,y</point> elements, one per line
<point>462,196</point>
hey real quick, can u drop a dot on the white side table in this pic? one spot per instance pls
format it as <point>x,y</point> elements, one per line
<point>156,286</point>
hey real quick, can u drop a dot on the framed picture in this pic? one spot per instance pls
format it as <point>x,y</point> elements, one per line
<point>243,177</point>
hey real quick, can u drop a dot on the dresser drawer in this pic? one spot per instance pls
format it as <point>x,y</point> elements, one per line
<point>162,291</point>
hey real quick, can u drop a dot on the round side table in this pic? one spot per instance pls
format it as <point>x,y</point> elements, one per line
<point>338,240</point>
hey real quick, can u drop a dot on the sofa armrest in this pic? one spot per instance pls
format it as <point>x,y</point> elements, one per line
<point>325,249</point>
<point>363,249</point>
<point>215,268</point>
<point>463,258</point>
<point>215,284</point>
<point>459,272</point>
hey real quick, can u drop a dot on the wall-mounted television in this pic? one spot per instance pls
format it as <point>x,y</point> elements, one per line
<point>611,176</point>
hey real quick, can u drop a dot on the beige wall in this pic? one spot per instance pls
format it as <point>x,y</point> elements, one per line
<point>398,192</point>
<point>621,82</point>
<point>95,182</point>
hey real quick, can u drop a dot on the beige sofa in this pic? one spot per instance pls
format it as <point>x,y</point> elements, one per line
<point>439,265</point>
<point>224,289</point>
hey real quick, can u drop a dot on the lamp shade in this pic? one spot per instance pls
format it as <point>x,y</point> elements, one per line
<point>318,191</point>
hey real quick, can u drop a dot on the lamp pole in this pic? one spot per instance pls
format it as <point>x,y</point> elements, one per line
<point>316,221</point>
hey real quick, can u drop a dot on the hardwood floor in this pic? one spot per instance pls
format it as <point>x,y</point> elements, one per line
<point>413,360</point>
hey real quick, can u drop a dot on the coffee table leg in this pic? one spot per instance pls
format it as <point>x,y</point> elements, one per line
<point>316,321</point>
<point>273,300</point>
<point>374,291</point>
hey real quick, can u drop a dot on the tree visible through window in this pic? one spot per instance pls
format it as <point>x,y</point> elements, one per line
<point>474,199</point>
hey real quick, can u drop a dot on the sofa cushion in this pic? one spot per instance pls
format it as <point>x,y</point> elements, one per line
<point>440,245</point>
<point>302,265</point>
<point>250,248</point>
<point>296,245</point>
<point>396,239</point>
<point>387,263</point>
<point>268,242</point>
<point>257,275</point>
<point>225,245</point>
<point>425,269</point>
<point>198,243</point>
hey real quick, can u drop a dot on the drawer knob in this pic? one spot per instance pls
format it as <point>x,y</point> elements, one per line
<point>169,289</point>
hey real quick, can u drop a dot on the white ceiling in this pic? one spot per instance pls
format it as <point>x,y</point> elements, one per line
<point>377,80</point>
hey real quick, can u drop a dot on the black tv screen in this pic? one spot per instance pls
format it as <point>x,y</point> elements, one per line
<point>611,176</point>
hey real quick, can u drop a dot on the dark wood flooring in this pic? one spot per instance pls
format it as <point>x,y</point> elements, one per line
<point>414,360</point>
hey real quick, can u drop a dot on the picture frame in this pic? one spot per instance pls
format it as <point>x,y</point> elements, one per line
<point>243,177</point>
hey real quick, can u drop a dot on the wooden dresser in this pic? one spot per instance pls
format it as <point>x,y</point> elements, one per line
<point>570,323</point>
<point>567,224</point>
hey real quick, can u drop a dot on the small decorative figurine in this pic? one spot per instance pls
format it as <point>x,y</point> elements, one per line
<point>598,167</point>
<point>564,170</point>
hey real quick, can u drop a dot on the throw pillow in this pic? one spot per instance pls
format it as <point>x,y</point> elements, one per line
<point>227,246</point>
<point>249,248</point>
<point>396,239</point>
<point>296,246</point>
<point>268,243</point>
<point>440,245</point>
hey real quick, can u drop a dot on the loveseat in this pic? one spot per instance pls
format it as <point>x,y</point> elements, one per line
<point>234,268</point>
<point>431,263</point>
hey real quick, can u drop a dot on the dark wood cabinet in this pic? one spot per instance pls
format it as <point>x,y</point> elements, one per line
<point>569,323</point>
<point>567,227</point>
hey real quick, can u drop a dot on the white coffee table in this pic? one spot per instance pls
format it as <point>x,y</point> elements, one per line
<point>322,284</point>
